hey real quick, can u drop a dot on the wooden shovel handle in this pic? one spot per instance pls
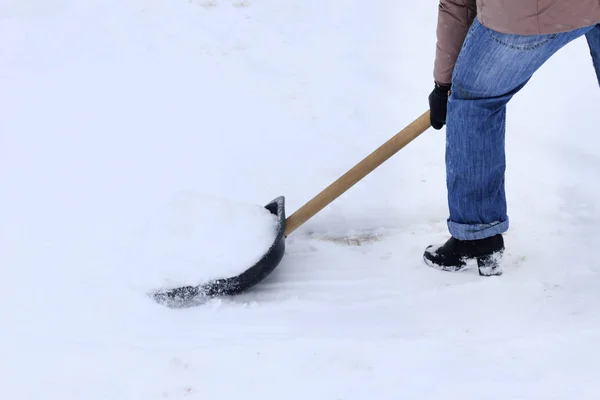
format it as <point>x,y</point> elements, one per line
<point>359,171</point>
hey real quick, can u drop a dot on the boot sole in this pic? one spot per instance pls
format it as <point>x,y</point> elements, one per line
<point>446,268</point>
<point>487,266</point>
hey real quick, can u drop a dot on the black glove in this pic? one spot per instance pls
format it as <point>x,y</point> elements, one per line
<point>438,104</point>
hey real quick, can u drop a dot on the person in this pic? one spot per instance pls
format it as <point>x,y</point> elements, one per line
<point>486,52</point>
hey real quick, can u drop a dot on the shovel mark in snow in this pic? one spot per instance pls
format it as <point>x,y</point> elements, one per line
<point>360,239</point>
<point>207,4</point>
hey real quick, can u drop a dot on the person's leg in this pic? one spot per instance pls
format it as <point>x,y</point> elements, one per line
<point>491,68</point>
<point>593,39</point>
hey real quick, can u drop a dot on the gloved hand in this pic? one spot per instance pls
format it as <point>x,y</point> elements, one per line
<point>438,105</point>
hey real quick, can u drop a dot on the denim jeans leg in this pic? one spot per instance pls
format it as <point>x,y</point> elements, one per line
<point>491,68</point>
<point>593,39</point>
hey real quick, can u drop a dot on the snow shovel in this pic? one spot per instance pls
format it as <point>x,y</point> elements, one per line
<point>190,295</point>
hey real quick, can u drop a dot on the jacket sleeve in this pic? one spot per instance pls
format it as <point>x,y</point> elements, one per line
<point>454,19</point>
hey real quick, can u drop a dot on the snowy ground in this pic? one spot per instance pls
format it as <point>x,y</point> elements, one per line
<point>112,108</point>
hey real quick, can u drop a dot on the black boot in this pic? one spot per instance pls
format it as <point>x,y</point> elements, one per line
<point>454,255</point>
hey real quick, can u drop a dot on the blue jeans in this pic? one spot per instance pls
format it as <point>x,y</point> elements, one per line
<point>491,68</point>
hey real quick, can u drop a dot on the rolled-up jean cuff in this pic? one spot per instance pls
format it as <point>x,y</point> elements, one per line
<point>476,231</point>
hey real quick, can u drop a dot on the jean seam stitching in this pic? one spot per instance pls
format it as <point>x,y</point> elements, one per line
<point>523,48</point>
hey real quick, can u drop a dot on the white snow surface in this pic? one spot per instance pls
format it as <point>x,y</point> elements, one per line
<point>111,109</point>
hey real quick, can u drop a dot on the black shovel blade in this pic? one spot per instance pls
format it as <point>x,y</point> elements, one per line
<point>193,295</point>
